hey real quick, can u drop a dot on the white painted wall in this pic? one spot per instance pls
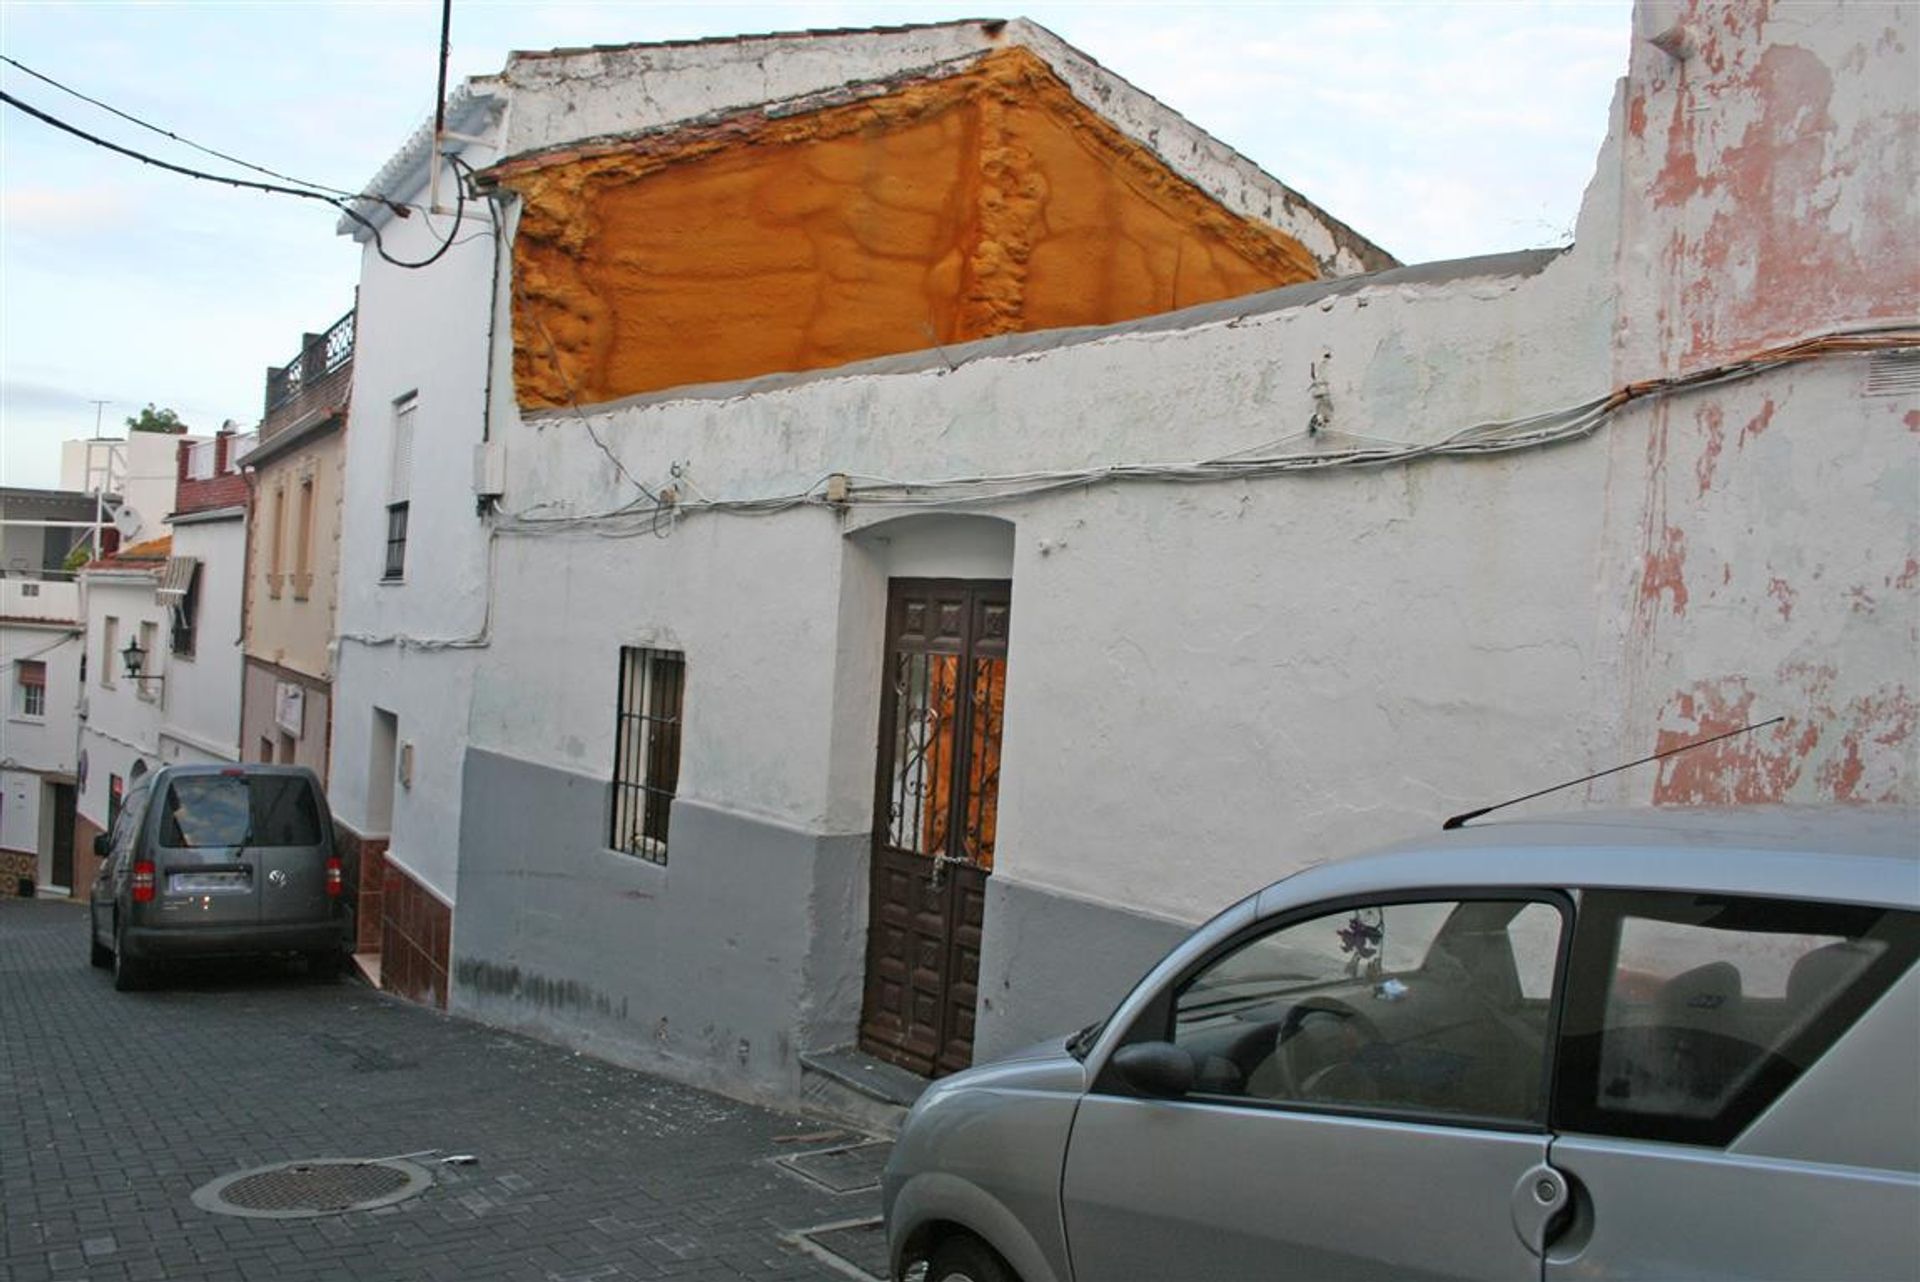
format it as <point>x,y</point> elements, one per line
<point>401,643</point>
<point>202,721</point>
<point>19,810</point>
<point>44,627</point>
<point>1214,685</point>
<point>123,718</point>
<point>147,488</point>
<point>93,463</point>
<point>45,742</point>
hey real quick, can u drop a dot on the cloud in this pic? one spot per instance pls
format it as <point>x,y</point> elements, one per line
<point>64,210</point>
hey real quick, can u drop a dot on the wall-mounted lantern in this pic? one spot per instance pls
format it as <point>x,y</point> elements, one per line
<point>135,659</point>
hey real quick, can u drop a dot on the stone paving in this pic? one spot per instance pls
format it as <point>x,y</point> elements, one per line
<point>116,1107</point>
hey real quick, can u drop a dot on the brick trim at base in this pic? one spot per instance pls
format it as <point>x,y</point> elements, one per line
<point>415,932</point>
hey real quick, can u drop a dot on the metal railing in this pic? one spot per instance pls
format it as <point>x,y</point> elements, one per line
<point>202,460</point>
<point>321,354</point>
<point>238,447</point>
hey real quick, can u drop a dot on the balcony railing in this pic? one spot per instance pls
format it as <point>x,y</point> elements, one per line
<point>202,460</point>
<point>320,355</point>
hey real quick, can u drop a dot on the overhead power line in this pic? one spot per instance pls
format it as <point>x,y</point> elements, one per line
<point>168,133</point>
<point>145,159</point>
<point>340,202</point>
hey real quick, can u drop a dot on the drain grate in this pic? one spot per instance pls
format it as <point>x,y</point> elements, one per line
<point>318,1186</point>
<point>852,1168</point>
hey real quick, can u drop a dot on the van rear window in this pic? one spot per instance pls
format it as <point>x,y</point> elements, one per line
<point>234,810</point>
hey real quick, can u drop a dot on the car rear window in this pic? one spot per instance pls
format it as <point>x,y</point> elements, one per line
<point>234,810</point>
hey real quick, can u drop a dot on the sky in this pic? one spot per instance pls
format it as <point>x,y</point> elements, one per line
<point>1437,130</point>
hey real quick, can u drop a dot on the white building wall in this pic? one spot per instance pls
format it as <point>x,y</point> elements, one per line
<point>202,721</point>
<point>93,463</point>
<point>402,645</point>
<point>44,627</point>
<point>123,719</point>
<point>147,488</point>
<point>1214,685</point>
<point>1210,685</point>
<point>19,810</point>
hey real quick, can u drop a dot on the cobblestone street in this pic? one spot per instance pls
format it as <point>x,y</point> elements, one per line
<point>116,1107</point>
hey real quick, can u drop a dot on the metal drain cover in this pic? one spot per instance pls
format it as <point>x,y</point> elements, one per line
<point>315,1186</point>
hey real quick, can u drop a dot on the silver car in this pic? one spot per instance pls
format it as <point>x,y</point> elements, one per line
<point>210,860</point>
<point>1632,1045</point>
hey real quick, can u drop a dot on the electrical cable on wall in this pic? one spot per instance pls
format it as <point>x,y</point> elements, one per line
<point>1537,431</point>
<point>11,659</point>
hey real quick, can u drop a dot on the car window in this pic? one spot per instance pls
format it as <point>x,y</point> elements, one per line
<point>240,809</point>
<point>1691,1013</point>
<point>126,827</point>
<point>1437,1007</point>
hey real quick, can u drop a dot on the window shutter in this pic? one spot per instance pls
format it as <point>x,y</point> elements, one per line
<point>400,479</point>
<point>32,672</point>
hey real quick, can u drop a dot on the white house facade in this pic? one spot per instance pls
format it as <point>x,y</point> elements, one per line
<point>41,641</point>
<point>916,703</point>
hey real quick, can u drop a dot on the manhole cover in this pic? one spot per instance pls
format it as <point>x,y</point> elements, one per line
<point>317,1186</point>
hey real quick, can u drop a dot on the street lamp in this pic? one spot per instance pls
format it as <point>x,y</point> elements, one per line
<point>135,658</point>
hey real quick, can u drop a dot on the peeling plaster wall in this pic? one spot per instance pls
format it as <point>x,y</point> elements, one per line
<point>1768,532</point>
<point>979,202</point>
<point>1772,175</point>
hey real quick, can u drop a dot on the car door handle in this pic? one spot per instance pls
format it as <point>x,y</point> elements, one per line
<point>1538,1201</point>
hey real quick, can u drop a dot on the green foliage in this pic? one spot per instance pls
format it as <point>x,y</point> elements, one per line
<point>153,420</point>
<point>82,553</point>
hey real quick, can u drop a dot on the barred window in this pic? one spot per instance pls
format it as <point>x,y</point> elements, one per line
<point>396,541</point>
<point>646,750</point>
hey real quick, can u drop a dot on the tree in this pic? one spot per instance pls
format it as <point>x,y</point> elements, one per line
<point>153,420</point>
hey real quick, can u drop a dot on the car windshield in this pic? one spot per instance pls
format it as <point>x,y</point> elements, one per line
<point>235,810</point>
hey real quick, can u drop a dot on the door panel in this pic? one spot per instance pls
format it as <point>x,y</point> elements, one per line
<point>936,812</point>
<point>1166,1189</point>
<point>1658,1211</point>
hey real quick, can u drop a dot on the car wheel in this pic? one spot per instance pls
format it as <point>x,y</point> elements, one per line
<point>128,974</point>
<point>964,1258</point>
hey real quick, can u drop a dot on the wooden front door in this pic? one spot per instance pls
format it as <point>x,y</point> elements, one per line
<point>937,797</point>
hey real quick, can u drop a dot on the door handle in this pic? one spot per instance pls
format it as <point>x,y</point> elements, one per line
<point>1537,1203</point>
<point>939,875</point>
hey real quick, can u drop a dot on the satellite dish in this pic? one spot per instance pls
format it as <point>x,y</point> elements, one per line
<point>125,520</point>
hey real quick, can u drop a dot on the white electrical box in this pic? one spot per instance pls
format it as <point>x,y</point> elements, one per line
<point>489,469</point>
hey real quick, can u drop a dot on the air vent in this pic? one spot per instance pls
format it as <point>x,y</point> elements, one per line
<point>1894,373</point>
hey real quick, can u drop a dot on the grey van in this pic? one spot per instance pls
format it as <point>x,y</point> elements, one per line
<point>211,860</point>
<point>1649,1044</point>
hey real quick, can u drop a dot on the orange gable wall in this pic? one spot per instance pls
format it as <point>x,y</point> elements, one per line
<point>982,203</point>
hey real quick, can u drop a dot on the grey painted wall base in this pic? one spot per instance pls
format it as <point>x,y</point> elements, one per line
<point>747,948</point>
<point>1051,962</point>
<point>717,968</point>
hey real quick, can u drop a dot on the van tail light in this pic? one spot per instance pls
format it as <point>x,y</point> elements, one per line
<point>333,878</point>
<point>143,881</point>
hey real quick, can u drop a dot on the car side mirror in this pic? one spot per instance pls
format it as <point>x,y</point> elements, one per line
<point>1155,1068</point>
<point>101,846</point>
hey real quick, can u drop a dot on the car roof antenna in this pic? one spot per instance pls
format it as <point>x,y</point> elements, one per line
<point>1462,819</point>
